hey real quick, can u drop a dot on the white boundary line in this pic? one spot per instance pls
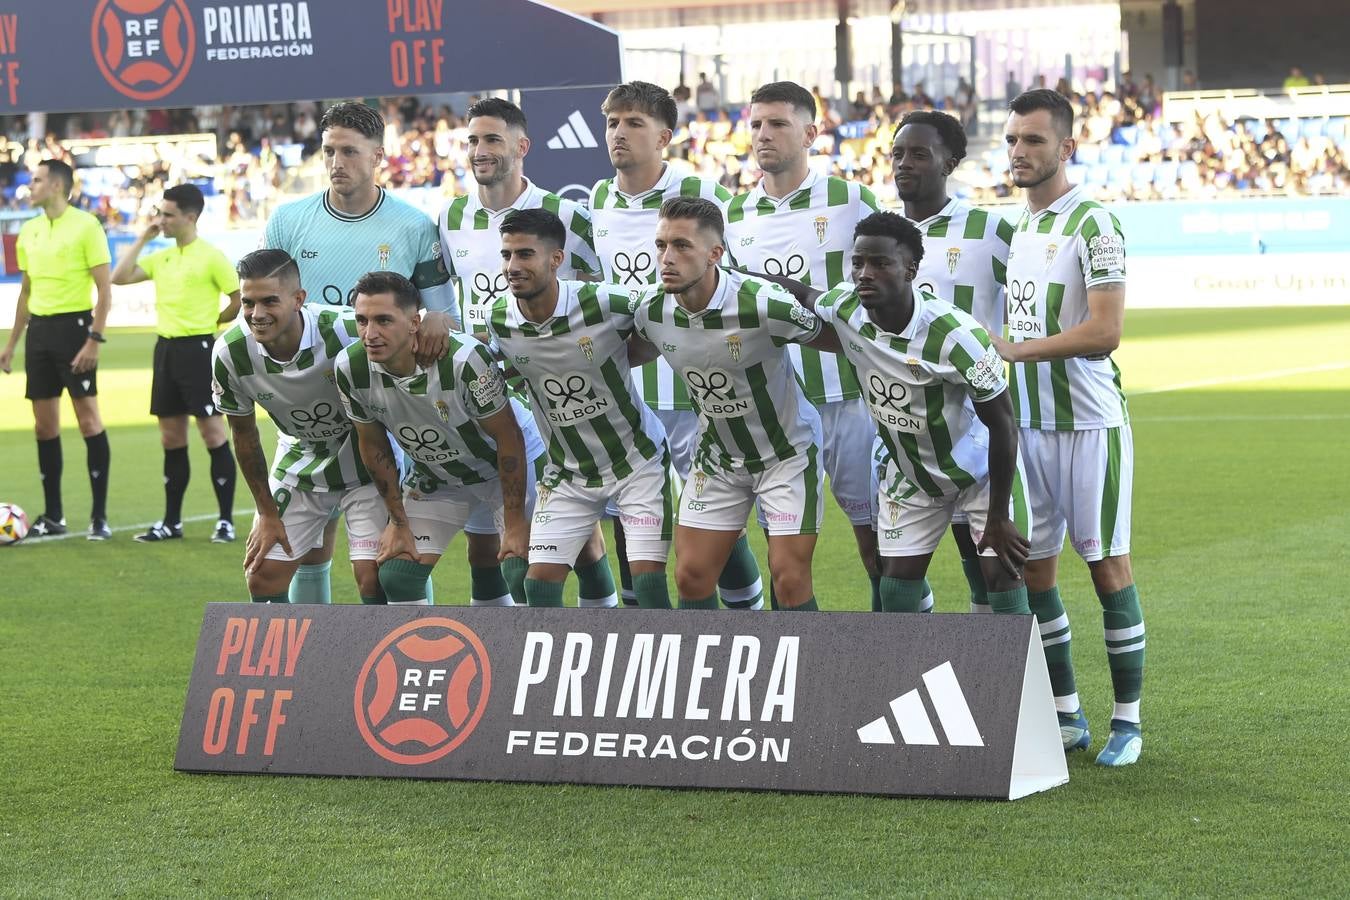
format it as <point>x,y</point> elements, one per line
<point>1250,376</point>
<point>72,534</point>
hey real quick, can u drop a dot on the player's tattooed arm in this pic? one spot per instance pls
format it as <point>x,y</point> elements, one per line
<point>397,541</point>
<point>268,530</point>
<point>1000,534</point>
<point>502,427</point>
<point>1095,338</point>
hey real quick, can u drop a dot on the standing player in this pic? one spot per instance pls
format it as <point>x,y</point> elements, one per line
<point>454,421</point>
<point>1066,311</point>
<point>567,339</point>
<point>965,255</point>
<point>725,334</point>
<point>472,248</point>
<point>640,119</point>
<point>190,278</point>
<point>934,383</point>
<point>63,253</point>
<point>281,358</point>
<point>354,227</point>
<point>798,224</point>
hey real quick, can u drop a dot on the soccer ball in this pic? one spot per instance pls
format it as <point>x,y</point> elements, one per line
<point>13,524</point>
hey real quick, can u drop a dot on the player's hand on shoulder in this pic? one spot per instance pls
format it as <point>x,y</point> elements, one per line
<point>433,338</point>
<point>1006,349</point>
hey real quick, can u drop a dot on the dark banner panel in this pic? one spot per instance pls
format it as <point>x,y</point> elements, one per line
<point>75,55</point>
<point>567,139</point>
<point>921,705</point>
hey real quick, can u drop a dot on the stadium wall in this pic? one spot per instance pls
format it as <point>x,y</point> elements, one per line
<point>1253,43</point>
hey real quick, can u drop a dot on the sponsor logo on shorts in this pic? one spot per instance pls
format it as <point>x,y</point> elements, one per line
<point>1086,545</point>
<point>891,534</point>
<point>543,518</point>
<point>781,518</point>
<point>550,548</point>
<point>647,521</point>
<point>364,544</point>
<point>696,506</point>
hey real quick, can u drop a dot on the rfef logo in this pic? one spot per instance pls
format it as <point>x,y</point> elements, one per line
<point>143,47</point>
<point>422,691</point>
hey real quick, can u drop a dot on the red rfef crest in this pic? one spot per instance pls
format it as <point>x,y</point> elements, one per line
<point>422,691</point>
<point>144,48</point>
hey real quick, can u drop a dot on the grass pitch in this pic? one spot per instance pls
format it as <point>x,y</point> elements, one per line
<point>1240,524</point>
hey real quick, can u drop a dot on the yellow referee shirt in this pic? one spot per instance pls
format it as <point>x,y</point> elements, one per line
<point>188,284</point>
<point>57,255</point>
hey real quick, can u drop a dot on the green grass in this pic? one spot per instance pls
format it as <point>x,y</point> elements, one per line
<point>1240,532</point>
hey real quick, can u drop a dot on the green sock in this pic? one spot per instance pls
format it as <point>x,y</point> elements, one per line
<point>652,590</point>
<point>1055,641</point>
<point>513,571</point>
<point>1123,620</point>
<point>926,601</point>
<point>902,595</point>
<point>270,598</point>
<point>708,602</point>
<point>487,587</point>
<point>626,583</point>
<point>311,584</point>
<point>1010,602</point>
<point>876,592</point>
<point>405,582</point>
<point>808,606</point>
<point>740,584</point>
<point>595,585</point>
<point>543,593</point>
<point>979,594</point>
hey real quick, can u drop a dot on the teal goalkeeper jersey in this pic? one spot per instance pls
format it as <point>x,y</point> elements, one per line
<point>333,250</point>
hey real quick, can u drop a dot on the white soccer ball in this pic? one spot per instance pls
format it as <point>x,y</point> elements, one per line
<point>13,524</point>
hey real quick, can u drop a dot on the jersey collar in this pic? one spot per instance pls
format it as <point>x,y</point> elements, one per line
<point>400,380</point>
<point>666,180</point>
<point>758,193</point>
<point>1070,198</point>
<point>529,198</point>
<point>906,333</point>
<point>309,336</point>
<point>719,298</point>
<point>952,208</point>
<point>561,310</point>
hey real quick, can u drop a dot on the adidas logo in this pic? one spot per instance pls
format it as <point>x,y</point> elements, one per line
<point>912,718</point>
<point>573,135</point>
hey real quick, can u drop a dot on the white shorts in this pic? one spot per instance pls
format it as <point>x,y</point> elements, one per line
<point>482,520</point>
<point>681,436</point>
<point>789,497</point>
<point>1079,484</point>
<point>305,514</point>
<point>911,523</point>
<point>436,518</point>
<point>565,515</point>
<point>849,431</point>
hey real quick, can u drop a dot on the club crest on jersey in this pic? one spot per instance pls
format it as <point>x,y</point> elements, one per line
<point>734,347</point>
<point>953,257</point>
<point>914,367</point>
<point>443,411</point>
<point>700,482</point>
<point>384,251</point>
<point>587,347</point>
<point>1050,252</point>
<point>822,223</point>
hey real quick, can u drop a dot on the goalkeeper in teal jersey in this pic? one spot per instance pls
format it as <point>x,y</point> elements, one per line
<point>352,228</point>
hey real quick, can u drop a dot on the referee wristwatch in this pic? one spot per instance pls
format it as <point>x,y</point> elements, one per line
<point>97,337</point>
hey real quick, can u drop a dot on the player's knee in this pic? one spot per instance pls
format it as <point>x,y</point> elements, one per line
<point>542,571</point>
<point>1041,574</point>
<point>367,577</point>
<point>792,582</point>
<point>1111,574</point>
<point>646,567</point>
<point>694,578</point>
<point>483,549</point>
<point>269,580</point>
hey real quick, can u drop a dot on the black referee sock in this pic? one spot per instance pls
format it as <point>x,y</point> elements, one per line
<point>50,465</point>
<point>222,479</point>
<point>177,472</point>
<point>98,458</point>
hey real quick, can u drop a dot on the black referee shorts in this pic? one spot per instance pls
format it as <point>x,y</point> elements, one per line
<point>182,377</point>
<point>48,350</point>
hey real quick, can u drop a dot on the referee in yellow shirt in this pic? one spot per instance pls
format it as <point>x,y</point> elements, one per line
<point>190,278</point>
<point>63,253</point>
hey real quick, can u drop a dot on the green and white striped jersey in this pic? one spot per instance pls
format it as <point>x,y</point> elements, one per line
<point>333,250</point>
<point>965,260</point>
<point>625,242</point>
<point>582,392</point>
<point>472,247</point>
<point>807,235</point>
<point>432,413</point>
<point>316,446</point>
<point>920,385</point>
<point>733,357</point>
<point>1056,256</point>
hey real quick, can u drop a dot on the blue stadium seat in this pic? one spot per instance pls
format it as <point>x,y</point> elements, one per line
<point>1336,129</point>
<point>1077,173</point>
<point>1118,174</point>
<point>1114,154</point>
<point>1098,174</point>
<point>1165,173</point>
<point>1142,174</point>
<point>1088,154</point>
<point>1127,135</point>
<point>1313,128</point>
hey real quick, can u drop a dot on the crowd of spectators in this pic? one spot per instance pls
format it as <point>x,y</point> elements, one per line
<point>263,154</point>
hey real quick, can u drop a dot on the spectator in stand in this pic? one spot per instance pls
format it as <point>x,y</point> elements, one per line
<point>920,97</point>
<point>706,96</point>
<point>1012,87</point>
<point>1295,79</point>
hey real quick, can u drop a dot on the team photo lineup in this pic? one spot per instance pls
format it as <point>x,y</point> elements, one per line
<point>689,365</point>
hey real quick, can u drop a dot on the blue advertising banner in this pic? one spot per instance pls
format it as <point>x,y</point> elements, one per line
<point>81,55</point>
<point>567,139</point>
<point>1237,227</point>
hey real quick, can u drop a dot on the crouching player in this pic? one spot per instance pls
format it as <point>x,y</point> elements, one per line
<point>726,335</point>
<point>936,387</point>
<point>281,358</point>
<point>454,421</point>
